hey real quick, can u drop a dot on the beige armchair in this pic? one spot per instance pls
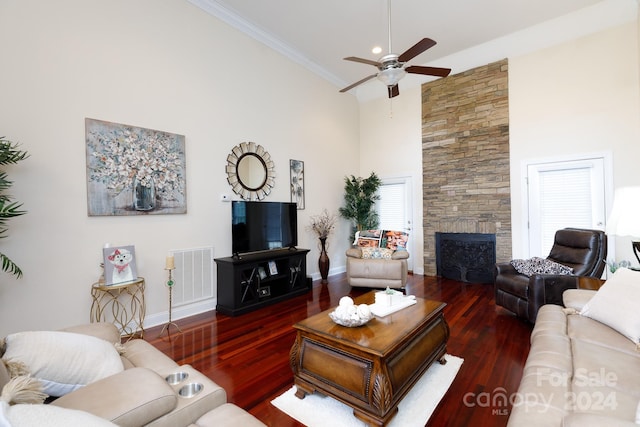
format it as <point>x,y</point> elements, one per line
<point>376,272</point>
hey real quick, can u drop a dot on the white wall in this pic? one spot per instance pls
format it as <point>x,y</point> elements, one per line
<point>160,65</point>
<point>580,97</point>
<point>391,135</point>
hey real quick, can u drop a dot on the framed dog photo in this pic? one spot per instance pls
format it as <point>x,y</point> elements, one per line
<point>119,265</point>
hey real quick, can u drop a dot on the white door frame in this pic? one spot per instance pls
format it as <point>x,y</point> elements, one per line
<point>607,158</point>
<point>407,182</point>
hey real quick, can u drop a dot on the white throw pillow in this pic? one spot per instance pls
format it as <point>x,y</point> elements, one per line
<point>616,304</point>
<point>25,415</point>
<point>63,361</point>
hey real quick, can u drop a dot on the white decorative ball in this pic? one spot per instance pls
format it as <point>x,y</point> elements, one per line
<point>346,301</point>
<point>363,311</point>
<point>341,311</point>
<point>352,309</point>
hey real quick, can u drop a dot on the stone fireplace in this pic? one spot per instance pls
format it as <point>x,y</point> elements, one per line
<point>466,257</point>
<point>465,159</point>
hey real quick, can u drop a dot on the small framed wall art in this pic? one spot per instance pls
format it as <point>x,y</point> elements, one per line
<point>119,265</point>
<point>296,171</point>
<point>273,268</point>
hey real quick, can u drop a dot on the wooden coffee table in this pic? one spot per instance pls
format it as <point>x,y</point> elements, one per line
<point>371,367</point>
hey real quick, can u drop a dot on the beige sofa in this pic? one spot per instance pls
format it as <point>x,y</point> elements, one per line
<point>377,273</point>
<point>141,394</point>
<point>579,372</point>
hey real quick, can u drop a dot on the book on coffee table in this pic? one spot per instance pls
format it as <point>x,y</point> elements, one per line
<point>382,310</point>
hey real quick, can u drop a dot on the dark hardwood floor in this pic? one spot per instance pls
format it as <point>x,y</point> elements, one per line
<point>248,355</point>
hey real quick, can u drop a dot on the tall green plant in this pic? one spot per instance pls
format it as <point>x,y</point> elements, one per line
<point>9,154</point>
<point>360,195</point>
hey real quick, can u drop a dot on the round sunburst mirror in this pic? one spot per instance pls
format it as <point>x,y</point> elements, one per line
<point>250,171</point>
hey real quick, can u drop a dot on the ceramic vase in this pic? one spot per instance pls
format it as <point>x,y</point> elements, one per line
<point>323,261</point>
<point>144,196</point>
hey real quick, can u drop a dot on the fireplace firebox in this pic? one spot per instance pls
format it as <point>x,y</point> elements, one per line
<point>466,257</point>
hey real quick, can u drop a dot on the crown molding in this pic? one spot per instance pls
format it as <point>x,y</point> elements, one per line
<point>236,21</point>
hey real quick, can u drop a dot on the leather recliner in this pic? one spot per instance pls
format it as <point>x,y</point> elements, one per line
<point>583,250</point>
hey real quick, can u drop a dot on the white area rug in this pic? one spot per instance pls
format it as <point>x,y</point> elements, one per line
<point>414,410</point>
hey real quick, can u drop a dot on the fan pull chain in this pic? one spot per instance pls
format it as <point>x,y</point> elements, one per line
<point>389,23</point>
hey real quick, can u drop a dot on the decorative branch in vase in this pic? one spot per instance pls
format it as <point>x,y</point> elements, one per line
<point>323,225</point>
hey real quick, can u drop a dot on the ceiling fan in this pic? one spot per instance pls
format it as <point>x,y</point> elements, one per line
<point>393,67</point>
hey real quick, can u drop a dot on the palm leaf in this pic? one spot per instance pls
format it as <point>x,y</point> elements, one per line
<point>9,266</point>
<point>9,154</point>
<point>10,210</point>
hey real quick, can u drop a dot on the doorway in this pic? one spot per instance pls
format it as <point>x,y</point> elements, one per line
<point>565,193</point>
<point>395,210</point>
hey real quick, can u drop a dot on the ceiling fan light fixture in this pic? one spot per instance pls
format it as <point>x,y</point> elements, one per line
<point>392,68</point>
<point>391,76</point>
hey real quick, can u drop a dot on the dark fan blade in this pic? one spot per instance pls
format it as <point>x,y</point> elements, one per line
<point>393,91</point>
<point>429,71</point>
<point>358,82</point>
<point>416,49</point>
<point>362,60</point>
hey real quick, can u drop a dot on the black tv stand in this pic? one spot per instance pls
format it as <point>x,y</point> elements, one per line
<point>254,280</point>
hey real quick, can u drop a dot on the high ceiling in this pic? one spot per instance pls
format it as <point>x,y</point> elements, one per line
<point>318,34</point>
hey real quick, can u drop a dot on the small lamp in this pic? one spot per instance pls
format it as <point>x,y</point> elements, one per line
<point>624,219</point>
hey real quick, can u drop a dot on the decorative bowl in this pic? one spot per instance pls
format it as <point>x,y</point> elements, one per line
<point>350,321</point>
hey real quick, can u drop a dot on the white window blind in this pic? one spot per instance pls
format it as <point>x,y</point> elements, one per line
<point>565,202</point>
<point>391,207</point>
<point>563,194</point>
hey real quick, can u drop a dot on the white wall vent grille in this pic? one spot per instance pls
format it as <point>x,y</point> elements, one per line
<point>193,275</point>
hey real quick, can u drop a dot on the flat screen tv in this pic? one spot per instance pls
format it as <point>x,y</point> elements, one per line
<point>261,226</point>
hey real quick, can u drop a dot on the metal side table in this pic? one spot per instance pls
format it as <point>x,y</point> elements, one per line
<point>122,304</point>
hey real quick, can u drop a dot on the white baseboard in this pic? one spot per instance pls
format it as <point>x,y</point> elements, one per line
<point>332,272</point>
<point>192,309</point>
<point>180,312</point>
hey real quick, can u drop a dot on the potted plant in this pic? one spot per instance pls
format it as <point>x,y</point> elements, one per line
<point>360,195</point>
<point>9,154</point>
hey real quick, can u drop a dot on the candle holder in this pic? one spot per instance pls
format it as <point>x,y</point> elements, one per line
<point>170,323</point>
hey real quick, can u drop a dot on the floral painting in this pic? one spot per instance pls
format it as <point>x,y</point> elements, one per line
<point>133,170</point>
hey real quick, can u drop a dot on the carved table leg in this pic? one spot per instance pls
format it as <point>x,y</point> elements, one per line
<point>300,394</point>
<point>302,390</point>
